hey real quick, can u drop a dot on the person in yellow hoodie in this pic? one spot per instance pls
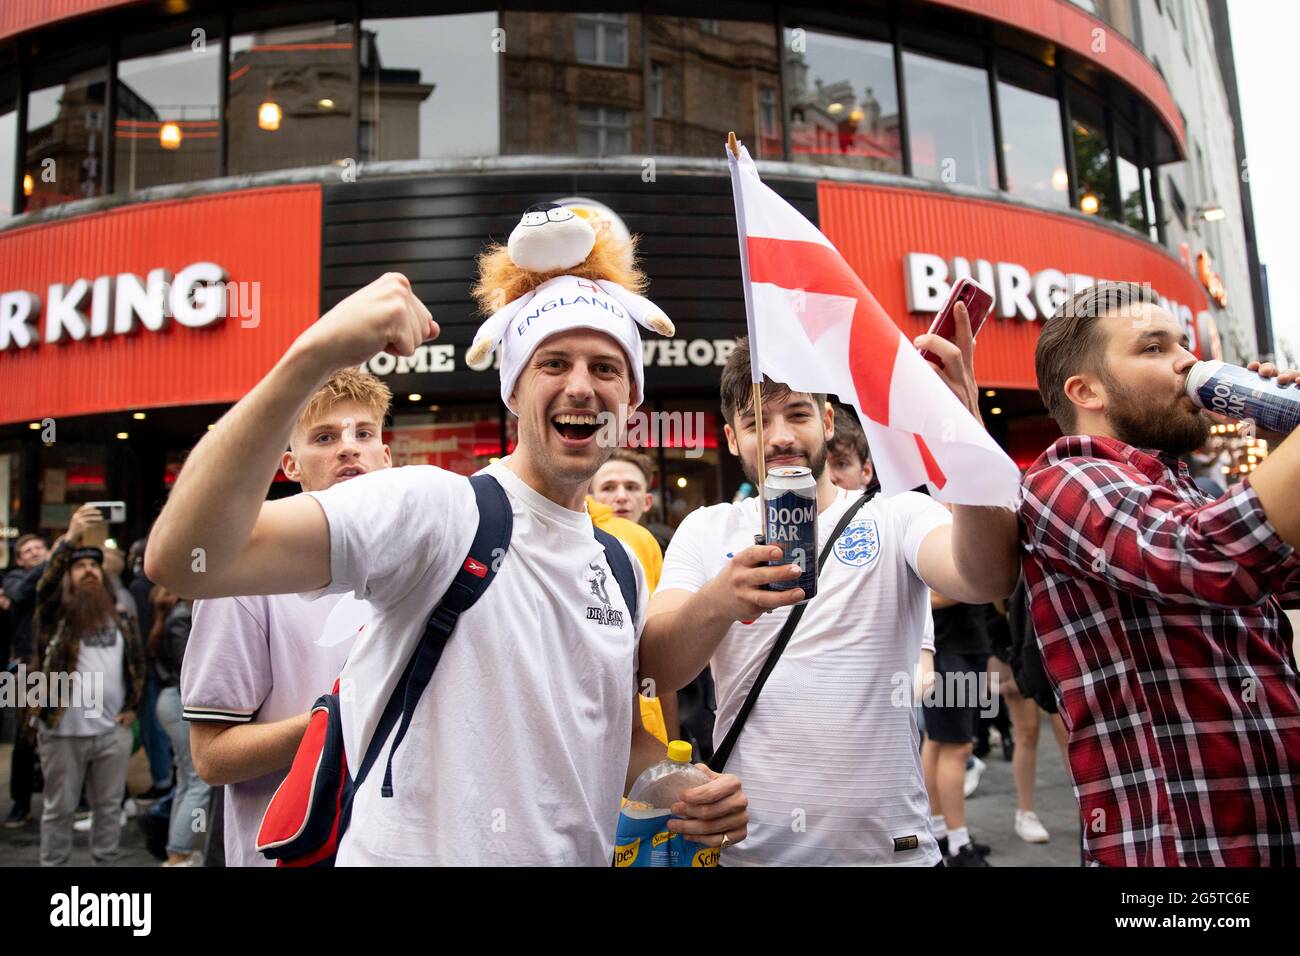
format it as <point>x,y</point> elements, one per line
<point>658,714</point>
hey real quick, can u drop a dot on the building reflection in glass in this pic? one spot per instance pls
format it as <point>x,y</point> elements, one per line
<point>430,87</point>
<point>843,101</point>
<point>950,121</point>
<point>715,76</point>
<point>580,83</point>
<point>167,128</point>
<point>1032,147</point>
<point>571,84</point>
<point>65,141</point>
<point>305,77</point>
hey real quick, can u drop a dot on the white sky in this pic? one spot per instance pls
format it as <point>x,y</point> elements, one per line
<point>1264,46</point>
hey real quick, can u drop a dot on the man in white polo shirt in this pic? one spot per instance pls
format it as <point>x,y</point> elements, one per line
<point>518,749</point>
<point>255,665</point>
<point>829,752</point>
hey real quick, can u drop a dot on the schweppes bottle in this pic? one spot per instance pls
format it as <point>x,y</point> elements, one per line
<point>643,837</point>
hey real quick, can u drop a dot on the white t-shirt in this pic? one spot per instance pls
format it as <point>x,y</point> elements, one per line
<point>97,690</point>
<point>258,660</point>
<point>828,757</point>
<point>518,748</point>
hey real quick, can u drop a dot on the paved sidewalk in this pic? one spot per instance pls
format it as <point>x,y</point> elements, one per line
<point>23,847</point>
<point>990,814</point>
<point>991,811</point>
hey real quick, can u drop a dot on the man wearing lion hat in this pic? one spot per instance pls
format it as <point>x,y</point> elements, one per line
<point>518,749</point>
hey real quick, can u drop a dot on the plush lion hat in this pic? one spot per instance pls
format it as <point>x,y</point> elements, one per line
<point>556,273</point>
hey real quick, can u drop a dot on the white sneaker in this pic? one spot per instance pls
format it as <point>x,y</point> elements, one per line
<point>130,809</point>
<point>194,859</point>
<point>1029,828</point>
<point>85,824</point>
<point>973,774</point>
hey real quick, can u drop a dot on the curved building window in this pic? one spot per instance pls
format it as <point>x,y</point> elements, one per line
<point>843,101</point>
<point>1132,203</point>
<point>292,98</point>
<point>950,121</point>
<point>715,76</point>
<point>1092,158</point>
<point>1148,185</point>
<point>1032,148</point>
<point>8,142</point>
<point>1130,193</point>
<point>430,87</point>
<point>167,128</point>
<point>562,92</point>
<point>66,113</point>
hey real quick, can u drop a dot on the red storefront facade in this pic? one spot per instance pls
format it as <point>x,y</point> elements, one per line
<point>266,240</point>
<point>906,243</point>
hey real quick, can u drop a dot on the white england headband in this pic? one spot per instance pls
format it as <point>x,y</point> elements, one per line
<point>562,304</point>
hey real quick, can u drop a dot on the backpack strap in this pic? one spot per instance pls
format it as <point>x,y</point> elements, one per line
<point>477,571</point>
<point>621,565</point>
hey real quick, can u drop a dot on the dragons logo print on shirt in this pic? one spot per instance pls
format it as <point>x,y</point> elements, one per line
<point>605,614</point>
<point>859,545</point>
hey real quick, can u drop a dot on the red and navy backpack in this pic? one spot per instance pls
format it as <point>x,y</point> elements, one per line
<point>311,808</point>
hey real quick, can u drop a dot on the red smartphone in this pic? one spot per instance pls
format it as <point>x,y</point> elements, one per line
<point>979,303</point>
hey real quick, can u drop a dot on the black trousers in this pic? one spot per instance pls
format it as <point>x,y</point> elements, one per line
<point>23,763</point>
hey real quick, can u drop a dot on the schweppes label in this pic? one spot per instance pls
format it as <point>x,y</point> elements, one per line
<point>643,829</point>
<point>626,855</point>
<point>708,856</point>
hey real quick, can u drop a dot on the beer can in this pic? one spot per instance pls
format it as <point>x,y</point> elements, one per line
<point>790,523</point>
<point>1242,394</point>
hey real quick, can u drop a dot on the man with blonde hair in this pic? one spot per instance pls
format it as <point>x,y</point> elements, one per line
<point>255,665</point>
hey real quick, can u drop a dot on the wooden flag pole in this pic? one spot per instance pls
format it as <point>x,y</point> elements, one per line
<point>762,455</point>
<point>733,145</point>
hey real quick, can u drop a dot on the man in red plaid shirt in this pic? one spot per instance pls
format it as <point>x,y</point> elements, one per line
<point>1159,610</point>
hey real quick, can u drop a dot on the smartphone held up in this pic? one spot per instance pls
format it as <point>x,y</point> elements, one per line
<point>111,512</point>
<point>979,305</point>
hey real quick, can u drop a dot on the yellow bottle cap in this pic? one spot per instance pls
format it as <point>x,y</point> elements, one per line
<point>680,751</point>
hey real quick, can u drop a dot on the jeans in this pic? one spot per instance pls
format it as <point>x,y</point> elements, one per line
<point>153,735</point>
<point>191,793</point>
<point>99,763</point>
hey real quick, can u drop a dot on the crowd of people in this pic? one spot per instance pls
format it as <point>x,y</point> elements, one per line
<point>1140,616</point>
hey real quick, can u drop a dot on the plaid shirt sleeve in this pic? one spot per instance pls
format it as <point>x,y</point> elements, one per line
<point>1106,520</point>
<point>1289,594</point>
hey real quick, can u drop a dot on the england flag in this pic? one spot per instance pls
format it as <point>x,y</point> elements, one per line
<point>815,326</point>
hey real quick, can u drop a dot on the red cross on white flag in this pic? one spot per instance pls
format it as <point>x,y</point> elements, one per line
<point>821,330</point>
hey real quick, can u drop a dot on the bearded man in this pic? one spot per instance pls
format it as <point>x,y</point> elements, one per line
<point>1157,609</point>
<point>91,664</point>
